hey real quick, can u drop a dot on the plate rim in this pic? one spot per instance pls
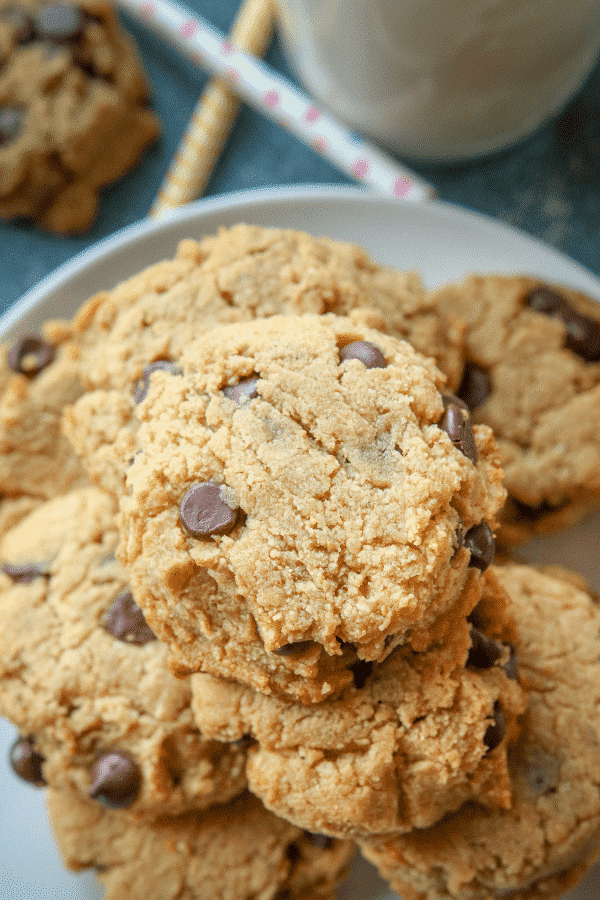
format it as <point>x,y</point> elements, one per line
<point>260,198</point>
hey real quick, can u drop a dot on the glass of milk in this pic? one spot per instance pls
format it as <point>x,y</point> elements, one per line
<point>442,80</point>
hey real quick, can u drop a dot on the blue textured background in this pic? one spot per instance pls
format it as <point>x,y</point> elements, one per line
<point>548,185</point>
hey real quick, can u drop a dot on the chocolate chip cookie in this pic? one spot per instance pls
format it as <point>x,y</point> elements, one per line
<point>239,851</point>
<point>533,376</point>
<point>544,843</point>
<point>343,501</point>
<point>242,273</point>
<point>412,739</point>
<point>73,110</point>
<point>39,377</point>
<point>84,679</point>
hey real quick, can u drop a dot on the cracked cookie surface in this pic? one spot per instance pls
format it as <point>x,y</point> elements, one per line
<point>542,845</point>
<point>414,738</point>
<point>239,851</point>
<point>39,377</point>
<point>337,507</point>
<point>83,678</point>
<point>533,376</point>
<point>242,273</point>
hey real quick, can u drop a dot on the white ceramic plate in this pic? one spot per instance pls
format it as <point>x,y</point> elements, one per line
<point>443,242</point>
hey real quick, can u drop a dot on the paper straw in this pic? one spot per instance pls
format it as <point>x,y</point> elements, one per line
<point>274,96</point>
<point>213,117</point>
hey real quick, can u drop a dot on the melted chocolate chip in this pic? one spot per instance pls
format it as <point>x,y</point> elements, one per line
<point>484,651</point>
<point>534,513</point>
<point>320,841</point>
<point>24,573</point>
<point>583,332</point>
<point>116,780</point>
<point>479,541</point>
<point>496,731</point>
<point>294,648</point>
<point>456,422</point>
<point>243,390</point>
<point>475,386</point>
<point>30,355</point>
<point>143,384</point>
<point>26,763</point>
<point>126,622</point>
<point>361,671</point>
<point>368,354</point>
<point>59,21</point>
<point>204,512</point>
<point>293,853</point>
<point>11,122</point>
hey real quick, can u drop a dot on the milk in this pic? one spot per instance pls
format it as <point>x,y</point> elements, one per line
<point>446,79</point>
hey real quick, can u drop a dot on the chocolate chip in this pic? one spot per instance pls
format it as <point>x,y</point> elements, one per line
<point>361,670</point>
<point>456,422</point>
<point>510,666</point>
<point>544,300</point>
<point>475,386</point>
<point>496,731</point>
<point>24,573</point>
<point>583,332</point>
<point>30,355</point>
<point>484,651</point>
<point>479,541</point>
<point>368,354</point>
<point>320,841</point>
<point>25,762</point>
<point>583,336</point>
<point>116,780</point>
<point>294,648</point>
<point>243,390</point>
<point>204,512</point>
<point>126,622</point>
<point>534,513</point>
<point>143,384</point>
<point>59,21</point>
<point>293,853</point>
<point>243,743</point>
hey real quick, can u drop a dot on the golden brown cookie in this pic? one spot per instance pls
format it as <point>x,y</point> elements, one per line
<point>543,844</point>
<point>242,273</point>
<point>339,495</point>
<point>234,852</point>
<point>533,376</point>
<point>414,738</point>
<point>39,377</point>
<point>84,679</point>
<point>73,110</point>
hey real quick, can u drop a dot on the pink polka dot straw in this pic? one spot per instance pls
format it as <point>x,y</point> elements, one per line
<point>274,96</point>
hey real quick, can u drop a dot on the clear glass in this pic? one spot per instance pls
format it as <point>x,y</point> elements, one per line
<point>442,79</point>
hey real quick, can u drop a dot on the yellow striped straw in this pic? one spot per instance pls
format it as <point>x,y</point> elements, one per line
<point>213,117</point>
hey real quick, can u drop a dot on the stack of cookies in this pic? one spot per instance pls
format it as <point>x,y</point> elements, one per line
<point>249,609</point>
